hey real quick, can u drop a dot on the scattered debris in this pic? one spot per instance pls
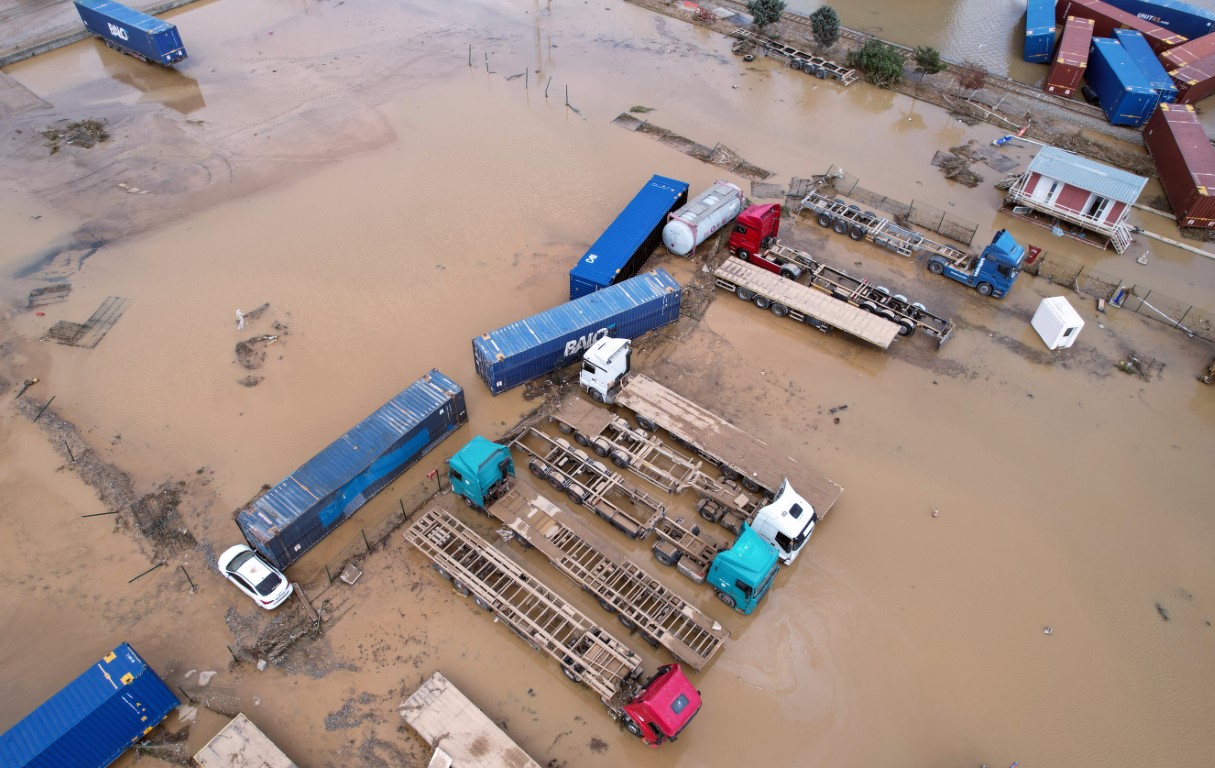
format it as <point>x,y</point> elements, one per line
<point>598,745</point>
<point>251,353</point>
<point>1164,614</point>
<point>1048,630</point>
<point>31,382</point>
<point>49,294</point>
<point>251,381</point>
<point>1144,369</point>
<point>640,109</point>
<point>82,133</point>
<point>90,333</point>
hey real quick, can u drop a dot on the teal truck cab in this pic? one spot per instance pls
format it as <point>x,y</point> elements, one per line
<point>482,472</point>
<point>991,273</point>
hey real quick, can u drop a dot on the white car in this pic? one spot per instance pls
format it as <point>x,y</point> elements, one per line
<point>256,578</point>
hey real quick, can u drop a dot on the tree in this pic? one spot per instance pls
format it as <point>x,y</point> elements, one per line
<point>765,12</point>
<point>972,76</point>
<point>825,23</point>
<point>928,60</point>
<point>881,64</point>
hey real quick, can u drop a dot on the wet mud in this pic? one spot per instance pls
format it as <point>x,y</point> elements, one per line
<point>390,202</point>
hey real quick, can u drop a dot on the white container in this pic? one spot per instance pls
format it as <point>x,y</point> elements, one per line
<point>704,214</point>
<point>1057,322</point>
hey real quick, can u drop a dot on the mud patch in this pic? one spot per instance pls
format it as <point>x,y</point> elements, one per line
<point>80,133</point>
<point>354,713</point>
<point>158,520</point>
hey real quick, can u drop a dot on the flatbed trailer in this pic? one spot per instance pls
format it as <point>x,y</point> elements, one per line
<point>640,601</point>
<point>749,42</point>
<point>849,219</point>
<point>803,304</point>
<point>455,727</point>
<point>859,292</point>
<point>586,652</point>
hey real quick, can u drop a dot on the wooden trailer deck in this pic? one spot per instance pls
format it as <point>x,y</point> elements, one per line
<point>788,298</point>
<point>460,733</point>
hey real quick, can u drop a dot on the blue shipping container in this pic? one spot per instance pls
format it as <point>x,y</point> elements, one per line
<point>1174,15</point>
<point>94,719</point>
<point>555,338</point>
<point>1136,46</point>
<point>290,518</point>
<point>1039,31</point>
<point>1127,98</point>
<point>622,249</point>
<point>130,31</point>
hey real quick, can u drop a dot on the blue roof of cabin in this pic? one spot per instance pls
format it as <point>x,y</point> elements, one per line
<point>1077,171</point>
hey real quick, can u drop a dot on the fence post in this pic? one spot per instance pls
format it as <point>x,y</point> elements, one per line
<point>1076,279</point>
<point>364,532</point>
<point>327,573</point>
<point>1181,319</point>
<point>1142,300</point>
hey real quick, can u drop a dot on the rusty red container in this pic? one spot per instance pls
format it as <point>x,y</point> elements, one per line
<point>1107,18</point>
<point>1185,162</point>
<point>1195,81</point>
<point>1071,58</point>
<point>1188,53</point>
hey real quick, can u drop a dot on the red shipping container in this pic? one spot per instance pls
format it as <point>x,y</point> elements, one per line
<point>1189,52</point>
<point>1072,57</point>
<point>1185,162</point>
<point>1195,81</point>
<point>1107,18</point>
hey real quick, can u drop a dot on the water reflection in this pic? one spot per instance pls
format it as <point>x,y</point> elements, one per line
<point>157,84</point>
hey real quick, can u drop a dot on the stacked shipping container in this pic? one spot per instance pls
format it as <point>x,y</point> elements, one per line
<point>1145,58</point>
<point>1071,59</point>
<point>1039,31</point>
<point>1185,162</point>
<point>1107,18</point>
<point>293,516</point>
<point>1194,50</point>
<point>1174,15</point>
<point>1127,98</point>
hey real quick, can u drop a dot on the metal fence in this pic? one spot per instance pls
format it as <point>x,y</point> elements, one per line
<point>916,213</point>
<point>1136,298</point>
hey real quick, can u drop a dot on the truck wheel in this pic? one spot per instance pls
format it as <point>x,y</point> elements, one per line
<point>824,220</point>
<point>778,309</point>
<point>984,289</point>
<point>620,460</point>
<point>664,558</point>
<point>857,232</point>
<point>936,267</point>
<point>581,439</point>
<point>471,504</point>
<point>631,726</point>
<point>597,396</point>
<point>840,226</point>
<point>564,428</point>
<point>646,424</point>
<point>762,301</point>
<point>744,294</point>
<point>729,601</point>
<point>742,254</point>
<point>788,274</point>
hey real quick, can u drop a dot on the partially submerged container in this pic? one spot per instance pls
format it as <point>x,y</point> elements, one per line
<point>1185,162</point>
<point>1039,31</point>
<point>1195,81</point>
<point>704,214</point>
<point>1144,57</point>
<point>1123,91</point>
<point>241,744</point>
<point>1057,322</point>
<point>1072,57</point>
<point>1174,15</point>
<point>306,506</point>
<point>94,719</point>
<point>1107,18</point>
<point>542,343</point>
<point>145,37</point>
<point>1189,53</point>
<point>622,249</point>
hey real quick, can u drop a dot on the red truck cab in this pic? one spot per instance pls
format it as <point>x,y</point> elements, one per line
<point>754,230</point>
<point>663,707</point>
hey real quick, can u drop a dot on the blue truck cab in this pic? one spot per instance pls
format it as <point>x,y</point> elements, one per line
<point>133,32</point>
<point>991,273</point>
<point>480,472</point>
<point>743,574</point>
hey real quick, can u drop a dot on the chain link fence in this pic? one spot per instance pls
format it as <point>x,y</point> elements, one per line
<point>1136,298</point>
<point>916,213</point>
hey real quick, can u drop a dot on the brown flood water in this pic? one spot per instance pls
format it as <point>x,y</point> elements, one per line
<point>389,203</point>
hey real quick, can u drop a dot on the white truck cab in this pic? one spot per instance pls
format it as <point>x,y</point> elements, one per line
<point>786,522</point>
<point>604,367</point>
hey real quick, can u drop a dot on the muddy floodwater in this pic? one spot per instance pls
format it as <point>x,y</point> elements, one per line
<point>1019,569</point>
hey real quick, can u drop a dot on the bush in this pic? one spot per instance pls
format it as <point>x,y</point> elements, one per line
<point>972,77</point>
<point>765,12</point>
<point>826,25</point>
<point>928,60</point>
<point>881,64</point>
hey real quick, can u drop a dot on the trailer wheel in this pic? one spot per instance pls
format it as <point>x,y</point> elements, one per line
<point>746,57</point>
<point>840,226</point>
<point>620,460</point>
<point>795,64</point>
<point>984,289</point>
<point>653,641</point>
<point>481,602</point>
<point>577,494</point>
<point>600,448</point>
<point>606,604</point>
<point>750,485</point>
<point>631,726</point>
<point>762,301</point>
<point>626,622</point>
<point>708,513</point>
<point>728,472</point>
<point>558,482</point>
<point>936,267</point>
<point>869,307</point>
<point>824,219</point>
<point>778,309</point>
<point>820,73</point>
<point>567,668</point>
<point>538,469</point>
<point>564,428</point>
<point>729,601</point>
<point>459,587</point>
<point>900,298</point>
<point>788,274</point>
<point>646,424</point>
<point>906,328</point>
<point>443,574</point>
<point>857,232</point>
<point>886,314</point>
<point>664,558</point>
<point>744,294</point>
<point>581,439</point>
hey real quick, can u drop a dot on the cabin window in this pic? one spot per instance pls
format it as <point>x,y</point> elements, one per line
<point>740,229</point>
<point>784,542</point>
<point>743,587</point>
<point>680,702</point>
<point>588,367</point>
<point>795,511</point>
<point>1004,269</point>
<point>456,475</point>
